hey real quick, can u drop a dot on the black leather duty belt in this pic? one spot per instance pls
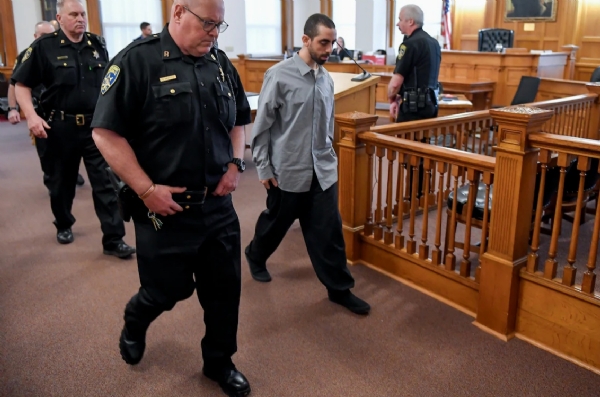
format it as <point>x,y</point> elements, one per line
<point>191,199</point>
<point>80,119</point>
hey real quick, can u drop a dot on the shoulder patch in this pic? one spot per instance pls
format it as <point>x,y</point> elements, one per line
<point>401,51</point>
<point>110,78</point>
<point>27,55</point>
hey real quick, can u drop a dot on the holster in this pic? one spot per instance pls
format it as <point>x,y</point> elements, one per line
<point>126,197</point>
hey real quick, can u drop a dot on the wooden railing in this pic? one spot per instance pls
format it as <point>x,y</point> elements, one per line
<point>574,184</point>
<point>409,184</point>
<point>394,194</point>
<point>476,132</point>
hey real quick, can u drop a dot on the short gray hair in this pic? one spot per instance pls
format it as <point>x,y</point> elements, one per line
<point>40,24</point>
<point>61,3</point>
<point>414,12</point>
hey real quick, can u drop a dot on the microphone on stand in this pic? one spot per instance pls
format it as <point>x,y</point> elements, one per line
<point>361,77</point>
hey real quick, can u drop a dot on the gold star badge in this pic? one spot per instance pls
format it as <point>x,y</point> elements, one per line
<point>96,55</point>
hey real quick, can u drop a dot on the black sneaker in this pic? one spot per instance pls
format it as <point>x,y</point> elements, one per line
<point>64,236</point>
<point>258,271</point>
<point>120,250</point>
<point>349,301</point>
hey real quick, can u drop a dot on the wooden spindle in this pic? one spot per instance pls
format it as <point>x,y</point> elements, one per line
<point>450,259</point>
<point>428,164</point>
<point>411,244</point>
<point>473,178</point>
<point>399,240</point>
<point>378,229</point>
<point>388,236</point>
<point>369,224</point>
<point>551,264</point>
<point>533,257</point>
<point>436,255</point>
<point>588,284</point>
<point>570,271</point>
<point>488,179</point>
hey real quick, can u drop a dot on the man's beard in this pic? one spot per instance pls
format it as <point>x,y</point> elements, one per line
<point>317,58</point>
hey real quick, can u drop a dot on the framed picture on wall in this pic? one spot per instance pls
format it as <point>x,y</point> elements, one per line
<point>48,10</point>
<point>530,10</point>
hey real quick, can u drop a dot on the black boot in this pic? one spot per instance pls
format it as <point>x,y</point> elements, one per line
<point>258,271</point>
<point>232,381</point>
<point>132,350</point>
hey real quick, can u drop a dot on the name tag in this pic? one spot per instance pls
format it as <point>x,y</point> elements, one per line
<point>63,57</point>
<point>168,78</point>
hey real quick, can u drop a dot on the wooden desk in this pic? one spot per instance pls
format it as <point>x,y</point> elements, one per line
<point>460,105</point>
<point>504,69</point>
<point>480,93</point>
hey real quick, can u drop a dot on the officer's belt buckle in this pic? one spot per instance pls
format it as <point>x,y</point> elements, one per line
<point>80,119</point>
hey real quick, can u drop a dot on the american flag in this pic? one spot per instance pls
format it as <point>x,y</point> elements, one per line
<point>446,24</point>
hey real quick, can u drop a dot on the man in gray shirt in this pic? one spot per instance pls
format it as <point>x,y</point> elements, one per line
<point>292,149</point>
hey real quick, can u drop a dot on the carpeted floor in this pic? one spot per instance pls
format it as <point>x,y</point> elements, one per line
<point>61,314</point>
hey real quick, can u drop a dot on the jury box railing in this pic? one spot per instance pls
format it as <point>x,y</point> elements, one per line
<point>477,214</point>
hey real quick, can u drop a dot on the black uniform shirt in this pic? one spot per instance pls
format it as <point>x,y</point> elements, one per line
<point>71,72</point>
<point>37,91</point>
<point>420,51</point>
<point>175,111</point>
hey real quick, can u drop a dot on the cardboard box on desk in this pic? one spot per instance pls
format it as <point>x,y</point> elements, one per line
<point>375,59</point>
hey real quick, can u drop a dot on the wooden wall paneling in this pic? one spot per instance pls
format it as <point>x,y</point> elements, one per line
<point>287,25</point>
<point>94,17</point>
<point>469,17</point>
<point>327,8</point>
<point>588,40</point>
<point>166,8</point>
<point>8,44</point>
<point>390,9</point>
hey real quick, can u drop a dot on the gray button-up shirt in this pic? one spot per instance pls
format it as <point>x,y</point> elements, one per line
<point>293,130</point>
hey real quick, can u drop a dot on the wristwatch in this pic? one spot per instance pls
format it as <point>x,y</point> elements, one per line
<point>240,163</point>
<point>13,108</point>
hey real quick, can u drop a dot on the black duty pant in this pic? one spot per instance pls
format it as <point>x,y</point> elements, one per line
<point>321,226</point>
<point>40,147</point>
<point>196,249</point>
<point>67,143</point>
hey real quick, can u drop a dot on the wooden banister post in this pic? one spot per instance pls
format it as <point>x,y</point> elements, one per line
<point>512,207</point>
<point>569,73</point>
<point>593,132</point>
<point>352,180</point>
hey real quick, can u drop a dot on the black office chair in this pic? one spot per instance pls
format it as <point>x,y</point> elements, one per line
<point>488,38</point>
<point>596,76</point>
<point>527,90</point>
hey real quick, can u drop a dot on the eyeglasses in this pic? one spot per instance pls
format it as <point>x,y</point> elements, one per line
<point>208,26</point>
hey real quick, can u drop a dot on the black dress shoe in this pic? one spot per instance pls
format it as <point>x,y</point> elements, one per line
<point>232,381</point>
<point>349,301</point>
<point>80,180</point>
<point>258,271</point>
<point>132,351</point>
<point>120,250</point>
<point>65,236</point>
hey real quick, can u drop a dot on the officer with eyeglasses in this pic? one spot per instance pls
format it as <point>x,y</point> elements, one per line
<point>169,121</point>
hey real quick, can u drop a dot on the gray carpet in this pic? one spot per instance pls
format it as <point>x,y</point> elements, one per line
<point>61,314</point>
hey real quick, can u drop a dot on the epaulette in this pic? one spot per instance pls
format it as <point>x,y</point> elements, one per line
<point>99,39</point>
<point>150,39</point>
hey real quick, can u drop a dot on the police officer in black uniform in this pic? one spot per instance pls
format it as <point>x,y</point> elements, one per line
<point>70,64</point>
<point>169,121</point>
<point>14,117</point>
<point>417,68</point>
